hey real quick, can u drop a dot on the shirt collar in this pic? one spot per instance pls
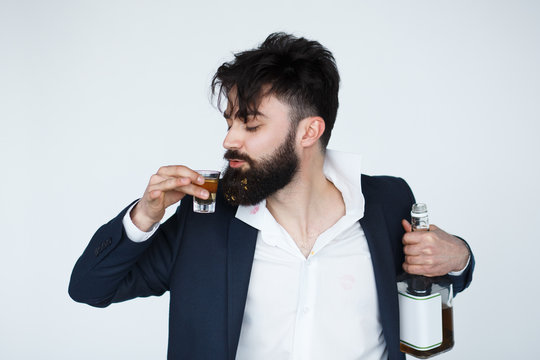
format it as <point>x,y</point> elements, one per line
<point>341,168</point>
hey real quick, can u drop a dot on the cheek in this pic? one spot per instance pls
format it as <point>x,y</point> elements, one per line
<point>263,143</point>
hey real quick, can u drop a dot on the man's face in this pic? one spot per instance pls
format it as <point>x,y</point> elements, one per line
<point>261,153</point>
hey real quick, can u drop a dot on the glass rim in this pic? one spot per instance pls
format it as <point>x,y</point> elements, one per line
<point>208,172</point>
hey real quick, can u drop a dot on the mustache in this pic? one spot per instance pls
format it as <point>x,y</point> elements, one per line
<point>234,154</point>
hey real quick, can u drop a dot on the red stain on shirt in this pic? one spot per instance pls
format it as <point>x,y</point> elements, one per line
<point>254,210</point>
<point>347,282</point>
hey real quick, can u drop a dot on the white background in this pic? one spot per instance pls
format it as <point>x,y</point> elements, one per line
<point>96,95</point>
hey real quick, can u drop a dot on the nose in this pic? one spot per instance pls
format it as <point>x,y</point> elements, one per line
<point>233,140</point>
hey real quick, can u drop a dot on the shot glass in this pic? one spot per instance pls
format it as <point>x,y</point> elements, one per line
<point>211,178</point>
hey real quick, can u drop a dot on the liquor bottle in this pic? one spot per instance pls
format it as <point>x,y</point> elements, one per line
<point>425,306</point>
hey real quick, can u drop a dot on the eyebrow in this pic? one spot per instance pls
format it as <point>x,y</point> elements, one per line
<point>228,115</point>
<point>258,114</point>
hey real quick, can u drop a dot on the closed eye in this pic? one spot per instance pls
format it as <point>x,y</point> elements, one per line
<point>252,128</point>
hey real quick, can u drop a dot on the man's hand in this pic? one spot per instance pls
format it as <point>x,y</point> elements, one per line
<point>432,253</point>
<point>169,185</point>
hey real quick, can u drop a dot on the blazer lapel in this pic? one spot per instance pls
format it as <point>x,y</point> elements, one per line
<point>241,248</point>
<point>375,228</point>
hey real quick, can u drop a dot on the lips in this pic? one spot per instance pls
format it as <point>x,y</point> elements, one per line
<point>236,159</point>
<point>235,163</point>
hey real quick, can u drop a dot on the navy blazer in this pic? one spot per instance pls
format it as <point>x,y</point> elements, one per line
<point>205,261</point>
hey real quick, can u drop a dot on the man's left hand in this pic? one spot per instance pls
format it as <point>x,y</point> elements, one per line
<point>432,253</point>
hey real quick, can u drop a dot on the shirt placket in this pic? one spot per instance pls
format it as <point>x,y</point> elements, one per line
<point>305,314</point>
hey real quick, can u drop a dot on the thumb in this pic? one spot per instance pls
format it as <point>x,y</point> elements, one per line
<point>406,225</point>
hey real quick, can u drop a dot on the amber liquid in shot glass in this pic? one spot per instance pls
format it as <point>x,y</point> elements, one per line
<point>211,179</point>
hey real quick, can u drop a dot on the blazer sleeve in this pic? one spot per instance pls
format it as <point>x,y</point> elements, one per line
<point>463,281</point>
<point>113,268</point>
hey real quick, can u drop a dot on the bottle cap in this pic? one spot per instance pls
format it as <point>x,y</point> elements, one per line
<point>419,210</point>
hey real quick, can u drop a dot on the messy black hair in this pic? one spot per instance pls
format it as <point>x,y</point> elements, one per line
<point>299,72</point>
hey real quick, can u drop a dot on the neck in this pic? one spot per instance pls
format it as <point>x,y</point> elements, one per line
<point>310,203</point>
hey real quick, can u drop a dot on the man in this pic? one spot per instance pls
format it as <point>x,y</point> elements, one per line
<point>301,257</point>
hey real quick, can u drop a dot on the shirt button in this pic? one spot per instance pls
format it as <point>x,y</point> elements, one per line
<point>306,309</point>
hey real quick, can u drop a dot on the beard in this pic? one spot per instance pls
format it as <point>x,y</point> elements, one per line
<point>264,177</point>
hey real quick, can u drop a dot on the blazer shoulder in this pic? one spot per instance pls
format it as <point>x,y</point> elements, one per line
<point>393,193</point>
<point>384,185</point>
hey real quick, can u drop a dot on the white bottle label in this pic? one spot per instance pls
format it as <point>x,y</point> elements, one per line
<point>420,319</point>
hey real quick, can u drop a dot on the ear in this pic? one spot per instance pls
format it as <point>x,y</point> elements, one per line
<point>311,129</point>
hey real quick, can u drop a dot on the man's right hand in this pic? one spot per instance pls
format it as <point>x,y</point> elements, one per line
<point>168,186</point>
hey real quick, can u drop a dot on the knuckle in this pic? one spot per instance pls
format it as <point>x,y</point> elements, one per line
<point>408,268</point>
<point>148,195</point>
<point>406,238</point>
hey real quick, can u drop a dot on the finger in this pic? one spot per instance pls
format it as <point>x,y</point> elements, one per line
<point>406,225</point>
<point>181,171</point>
<point>413,250</point>
<point>419,248</point>
<point>155,179</point>
<point>194,190</point>
<point>418,260</point>
<point>170,184</point>
<point>411,238</point>
<point>411,269</point>
<point>417,269</point>
<point>182,185</point>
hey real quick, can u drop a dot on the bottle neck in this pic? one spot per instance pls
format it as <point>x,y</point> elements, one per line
<point>419,285</point>
<point>420,223</point>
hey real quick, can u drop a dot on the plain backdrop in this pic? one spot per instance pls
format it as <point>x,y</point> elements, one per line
<point>96,95</point>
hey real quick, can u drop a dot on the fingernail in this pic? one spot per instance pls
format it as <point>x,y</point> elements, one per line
<point>205,193</point>
<point>200,180</point>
